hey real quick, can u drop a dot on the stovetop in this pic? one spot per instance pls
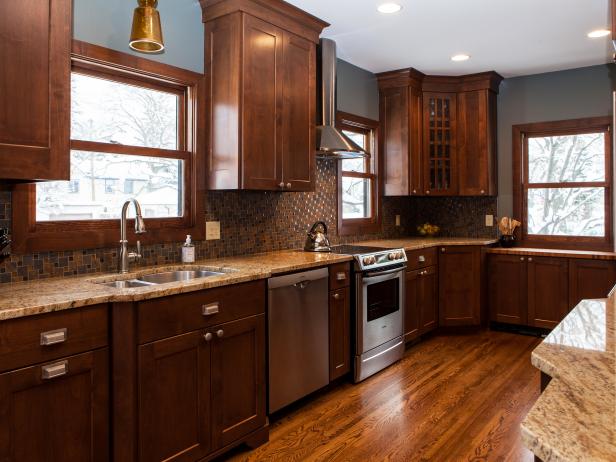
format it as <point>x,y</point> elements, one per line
<point>349,249</point>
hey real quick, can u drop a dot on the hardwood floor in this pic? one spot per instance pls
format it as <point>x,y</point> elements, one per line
<point>452,398</point>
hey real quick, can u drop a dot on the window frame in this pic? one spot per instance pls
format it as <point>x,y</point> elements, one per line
<point>520,136</point>
<point>32,236</point>
<point>369,127</point>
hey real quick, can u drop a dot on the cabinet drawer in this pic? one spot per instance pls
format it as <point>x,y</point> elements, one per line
<point>34,339</point>
<point>339,275</point>
<point>176,314</point>
<point>421,258</point>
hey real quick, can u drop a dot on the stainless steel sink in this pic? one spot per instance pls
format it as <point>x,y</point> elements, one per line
<point>177,276</point>
<point>129,284</point>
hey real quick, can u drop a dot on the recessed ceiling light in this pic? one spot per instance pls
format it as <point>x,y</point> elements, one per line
<point>460,57</point>
<point>389,8</point>
<point>599,33</point>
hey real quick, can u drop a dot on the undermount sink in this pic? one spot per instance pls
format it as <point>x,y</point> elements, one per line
<point>161,278</point>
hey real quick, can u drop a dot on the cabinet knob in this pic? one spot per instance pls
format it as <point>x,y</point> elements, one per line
<point>442,249</point>
<point>208,337</point>
<point>220,333</point>
<point>521,258</point>
<point>288,185</point>
<point>281,184</point>
<point>336,296</point>
<point>482,191</point>
<point>414,191</point>
<point>428,191</point>
<point>530,258</point>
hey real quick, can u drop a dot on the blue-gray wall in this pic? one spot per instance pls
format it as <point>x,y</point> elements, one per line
<point>571,94</point>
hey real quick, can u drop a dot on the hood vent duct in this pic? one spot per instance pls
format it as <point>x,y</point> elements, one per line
<point>331,142</point>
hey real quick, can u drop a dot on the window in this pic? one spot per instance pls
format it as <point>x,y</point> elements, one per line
<point>133,134</point>
<point>358,202</point>
<point>562,173</point>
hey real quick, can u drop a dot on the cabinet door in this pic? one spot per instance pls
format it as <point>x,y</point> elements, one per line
<point>60,418</point>
<point>238,379</point>
<point>548,291</point>
<point>415,146</point>
<point>339,333</point>
<point>428,299</point>
<point>261,164</point>
<point>174,398</point>
<point>439,140</point>
<point>590,279</point>
<point>507,289</point>
<point>35,86</point>
<point>476,161</point>
<point>394,104</point>
<point>412,309</point>
<point>459,286</point>
<point>298,114</point>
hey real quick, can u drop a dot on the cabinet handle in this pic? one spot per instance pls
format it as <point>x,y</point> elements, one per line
<point>340,276</point>
<point>521,258</point>
<point>209,310</point>
<point>281,184</point>
<point>220,333</point>
<point>51,371</point>
<point>336,296</point>
<point>53,337</point>
<point>288,185</point>
<point>208,337</point>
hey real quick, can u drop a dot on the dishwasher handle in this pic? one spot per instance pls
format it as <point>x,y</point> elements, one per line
<point>302,284</point>
<point>297,279</point>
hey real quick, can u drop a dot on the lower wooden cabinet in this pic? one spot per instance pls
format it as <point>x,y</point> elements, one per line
<point>548,291</point>
<point>201,391</point>
<point>590,279</point>
<point>56,411</point>
<point>507,281</point>
<point>421,300</point>
<point>339,333</point>
<point>459,283</point>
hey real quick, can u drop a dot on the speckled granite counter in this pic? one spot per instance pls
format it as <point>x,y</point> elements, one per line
<point>43,296</point>
<point>588,254</point>
<point>416,243</point>
<point>574,419</point>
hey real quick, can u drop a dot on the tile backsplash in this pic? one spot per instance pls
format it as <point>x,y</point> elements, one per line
<point>253,222</point>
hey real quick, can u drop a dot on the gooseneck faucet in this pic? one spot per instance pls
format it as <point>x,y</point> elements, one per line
<point>125,256</point>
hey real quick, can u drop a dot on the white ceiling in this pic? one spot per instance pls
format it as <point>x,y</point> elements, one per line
<point>512,37</point>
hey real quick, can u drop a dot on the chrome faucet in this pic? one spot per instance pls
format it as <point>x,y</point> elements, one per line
<point>125,256</point>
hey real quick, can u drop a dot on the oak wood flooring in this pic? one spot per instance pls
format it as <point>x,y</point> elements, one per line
<point>452,398</point>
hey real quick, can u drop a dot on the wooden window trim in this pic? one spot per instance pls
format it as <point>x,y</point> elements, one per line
<point>520,156</point>
<point>346,121</point>
<point>32,236</point>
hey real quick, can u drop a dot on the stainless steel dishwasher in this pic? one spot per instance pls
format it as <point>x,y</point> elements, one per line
<point>298,322</point>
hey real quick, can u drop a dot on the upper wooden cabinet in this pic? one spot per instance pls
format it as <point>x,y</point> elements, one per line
<point>439,133</point>
<point>35,48</point>
<point>260,65</point>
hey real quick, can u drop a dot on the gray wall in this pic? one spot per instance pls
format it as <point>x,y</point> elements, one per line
<point>358,91</point>
<point>570,94</point>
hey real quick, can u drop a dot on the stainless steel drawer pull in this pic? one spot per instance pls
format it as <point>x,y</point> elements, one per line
<point>340,276</point>
<point>421,259</point>
<point>51,371</point>
<point>53,337</point>
<point>209,310</point>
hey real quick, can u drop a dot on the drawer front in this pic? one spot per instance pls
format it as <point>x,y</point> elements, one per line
<point>168,316</point>
<point>421,258</point>
<point>35,339</point>
<point>339,275</point>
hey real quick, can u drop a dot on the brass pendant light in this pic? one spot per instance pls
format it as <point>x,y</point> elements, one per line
<point>146,35</point>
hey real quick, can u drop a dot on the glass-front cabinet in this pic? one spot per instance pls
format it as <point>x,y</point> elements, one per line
<point>439,143</point>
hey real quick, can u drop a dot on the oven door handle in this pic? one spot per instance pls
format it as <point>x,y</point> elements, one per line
<point>375,274</point>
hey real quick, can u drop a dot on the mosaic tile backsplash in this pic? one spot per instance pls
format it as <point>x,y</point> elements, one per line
<point>253,222</point>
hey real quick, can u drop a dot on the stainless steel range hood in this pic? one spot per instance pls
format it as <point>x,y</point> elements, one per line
<point>331,142</point>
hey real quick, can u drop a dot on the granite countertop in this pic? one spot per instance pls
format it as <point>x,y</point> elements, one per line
<point>575,417</point>
<point>589,254</point>
<point>47,295</point>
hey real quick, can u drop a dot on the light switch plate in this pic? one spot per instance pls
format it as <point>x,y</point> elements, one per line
<point>489,220</point>
<point>212,230</point>
<point>397,220</point>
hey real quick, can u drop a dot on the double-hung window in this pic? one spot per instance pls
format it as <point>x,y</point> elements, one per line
<point>563,183</point>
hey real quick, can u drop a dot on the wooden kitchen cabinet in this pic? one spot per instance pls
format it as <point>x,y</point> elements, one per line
<point>35,87</point>
<point>56,411</point>
<point>339,333</point>
<point>421,313</point>
<point>548,291</point>
<point>262,95</point>
<point>459,282</point>
<point>507,289</point>
<point>590,279</point>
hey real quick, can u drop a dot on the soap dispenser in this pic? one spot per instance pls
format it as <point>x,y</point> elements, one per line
<point>188,251</point>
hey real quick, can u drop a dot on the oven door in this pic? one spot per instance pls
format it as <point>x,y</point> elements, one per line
<point>380,305</point>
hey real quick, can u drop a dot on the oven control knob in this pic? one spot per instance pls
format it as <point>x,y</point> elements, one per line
<point>399,255</point>
<point>392,256</point>
<point>368,260</point>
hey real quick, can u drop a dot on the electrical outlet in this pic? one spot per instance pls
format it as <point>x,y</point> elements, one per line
<point>397,220</point>
<point>489,220</point>
<point>212,230</point>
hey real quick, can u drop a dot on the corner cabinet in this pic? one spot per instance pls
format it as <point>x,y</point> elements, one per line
<point>261,73</point>
<point>35,87</point>
<point>439,133</point>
